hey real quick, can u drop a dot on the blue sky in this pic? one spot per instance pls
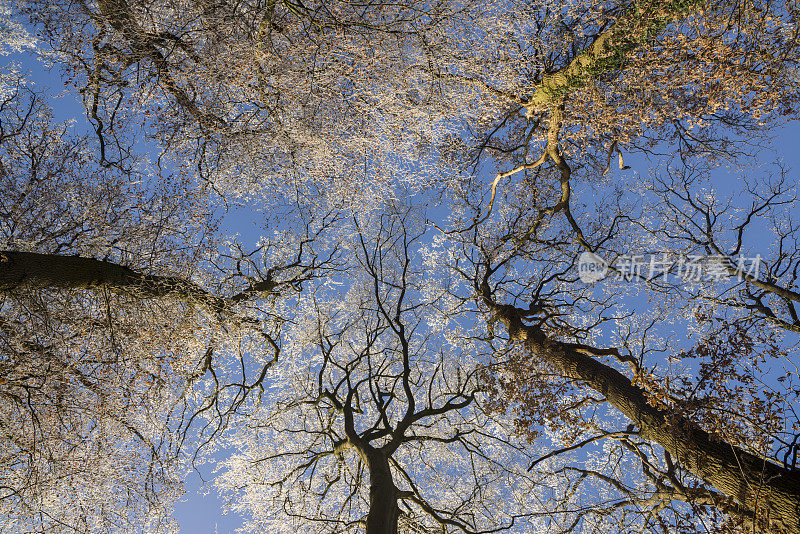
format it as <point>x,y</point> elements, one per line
<point>201,511</point>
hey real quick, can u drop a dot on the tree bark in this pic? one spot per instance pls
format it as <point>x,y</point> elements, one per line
<point>770,492</point>
<point>383,509</point>
<point>31,269</point>
<point>638,22</point>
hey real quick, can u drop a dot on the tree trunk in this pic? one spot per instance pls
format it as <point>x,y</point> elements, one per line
<point>383,509</point>
<point>767,490</point>
<point>31,269</point>
<point>639,21</point>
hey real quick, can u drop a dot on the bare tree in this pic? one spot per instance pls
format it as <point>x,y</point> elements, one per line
<point>377,421</point>
<point>326,109</point>
<point>120,327</point>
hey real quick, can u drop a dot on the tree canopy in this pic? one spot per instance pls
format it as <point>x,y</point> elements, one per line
<point>447,311</point>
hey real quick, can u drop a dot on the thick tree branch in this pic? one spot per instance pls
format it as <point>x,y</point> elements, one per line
<point>639,22</point>
<point>31,269</point>
<point>770,492</point>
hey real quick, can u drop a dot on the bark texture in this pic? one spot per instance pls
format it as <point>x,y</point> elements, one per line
<point>638,23</point>
<point>31,269</point>
<point>383,509</point>
<point>770,492</point>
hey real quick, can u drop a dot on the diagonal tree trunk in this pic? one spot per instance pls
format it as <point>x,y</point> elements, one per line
<point>638,22</point>
<point>31,269</point>
<point>770,492</point>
